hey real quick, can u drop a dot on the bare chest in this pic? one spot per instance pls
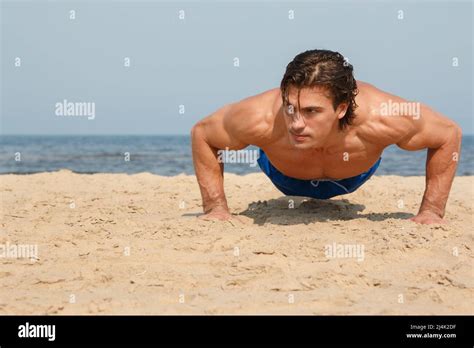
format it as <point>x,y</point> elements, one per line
<point>338,165</point>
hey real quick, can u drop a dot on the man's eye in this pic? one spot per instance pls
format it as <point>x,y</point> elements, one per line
<point>290,109</point>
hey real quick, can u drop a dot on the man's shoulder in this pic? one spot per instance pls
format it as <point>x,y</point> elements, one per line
<point>258,105</point>
<point>369,97</point>
<point>371,122</point>
<point>253,116</point>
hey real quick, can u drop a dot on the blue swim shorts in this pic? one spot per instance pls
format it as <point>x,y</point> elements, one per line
<point>320,189</point>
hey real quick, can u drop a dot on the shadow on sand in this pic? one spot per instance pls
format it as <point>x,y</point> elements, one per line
<point>306,210</point>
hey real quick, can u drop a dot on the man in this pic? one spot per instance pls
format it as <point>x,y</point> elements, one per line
<point>322,133</point>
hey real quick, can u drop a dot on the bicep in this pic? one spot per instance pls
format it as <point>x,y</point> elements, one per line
<point>428,131</point>
<point>237,125</point>
<point>408,124</point>
<point>221,128</point>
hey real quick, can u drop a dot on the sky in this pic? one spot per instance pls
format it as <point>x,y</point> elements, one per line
<point>157,67</point>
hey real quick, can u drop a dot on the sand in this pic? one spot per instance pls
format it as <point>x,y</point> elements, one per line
<point>131,244</point>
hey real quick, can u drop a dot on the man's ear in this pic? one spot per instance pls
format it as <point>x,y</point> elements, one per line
<point>341,110</point>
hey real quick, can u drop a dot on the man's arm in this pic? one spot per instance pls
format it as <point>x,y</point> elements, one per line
<point>423,128</point>
<point>442,137</point>
<point>232,127</point>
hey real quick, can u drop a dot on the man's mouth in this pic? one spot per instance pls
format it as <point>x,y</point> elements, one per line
<point>299,137</point>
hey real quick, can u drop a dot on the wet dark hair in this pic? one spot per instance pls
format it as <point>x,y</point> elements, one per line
<point>323,68</point>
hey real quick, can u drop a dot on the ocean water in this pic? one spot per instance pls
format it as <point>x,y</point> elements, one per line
<point>163,155</point>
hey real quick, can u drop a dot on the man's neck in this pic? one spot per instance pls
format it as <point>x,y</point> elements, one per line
<point>335,142</point>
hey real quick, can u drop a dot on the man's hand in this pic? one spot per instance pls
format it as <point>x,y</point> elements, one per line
<point>221,214</point>
<point>427,217</point>
<point>217,214</point>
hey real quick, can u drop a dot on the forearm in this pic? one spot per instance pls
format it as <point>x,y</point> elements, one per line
<point>209,172</point>
<point>440,170</point>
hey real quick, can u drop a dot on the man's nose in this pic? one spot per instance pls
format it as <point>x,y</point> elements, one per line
<point>297,123</point>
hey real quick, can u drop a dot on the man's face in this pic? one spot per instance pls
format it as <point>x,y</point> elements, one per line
<point>311,125</point>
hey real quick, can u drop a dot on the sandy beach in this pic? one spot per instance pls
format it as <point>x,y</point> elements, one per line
<point>131,244</point>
